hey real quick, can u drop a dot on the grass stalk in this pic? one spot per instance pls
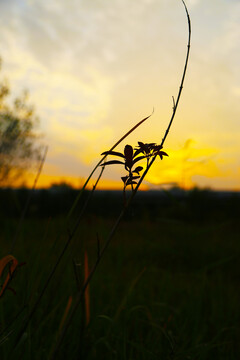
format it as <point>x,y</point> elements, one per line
<point>102,159</point>
<point>23,214</point>
<point>72,233</point>
<point>69,240</point>
<point>113,231</point>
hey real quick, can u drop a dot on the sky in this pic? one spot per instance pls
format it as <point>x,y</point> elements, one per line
<point>95,68</point>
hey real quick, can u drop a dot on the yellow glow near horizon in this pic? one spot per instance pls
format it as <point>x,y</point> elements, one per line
<point>46,181</point>
<point>179,169</point>
<point>93,71</point>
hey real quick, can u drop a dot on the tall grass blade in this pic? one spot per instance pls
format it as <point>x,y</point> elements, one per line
<point>65,314</point>
<point>101,161</point>
<point>42,161</point>
<point>111,234</point>
<point>12,262</point>
<point>86,294</point>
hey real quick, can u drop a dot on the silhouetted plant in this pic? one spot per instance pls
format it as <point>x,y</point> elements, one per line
<point>129,159</point>
<point>18,135</point>
<point>136,173</point>
<point>131,156</point>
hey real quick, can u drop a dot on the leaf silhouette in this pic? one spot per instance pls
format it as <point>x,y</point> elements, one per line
<point>128,152</point>
<point>12,262</point>
<point>131,182</point>
<point>115,153</point>
<point>136,152</point>
<point>138,159</point>
<point>157,147</point>
<point>124,179</point>
<point>132,156</point>
<point>110,162</point>
<point>138,169</point>
<point>145,148</point>
<point>161,154</point>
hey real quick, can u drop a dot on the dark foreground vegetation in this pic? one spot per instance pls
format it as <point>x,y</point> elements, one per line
<point>193,205</point>
<point>167,288</point>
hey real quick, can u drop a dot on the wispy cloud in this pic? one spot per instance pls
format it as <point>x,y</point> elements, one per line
<point>95,68</point>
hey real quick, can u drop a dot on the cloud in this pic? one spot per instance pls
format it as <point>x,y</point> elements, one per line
<point>183,163</point>
<point>96,68</point>
<point>192,3</point>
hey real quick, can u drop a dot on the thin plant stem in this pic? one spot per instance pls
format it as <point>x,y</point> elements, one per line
<point>70,237</point>
<point>80,294</point>
<point>71,234</point>
<point>23,214</point>
<point>102,159</point>
<point>111,234</point>
<point>175,105</point>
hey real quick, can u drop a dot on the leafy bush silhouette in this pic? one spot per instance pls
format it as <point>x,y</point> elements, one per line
<point>18,124</point>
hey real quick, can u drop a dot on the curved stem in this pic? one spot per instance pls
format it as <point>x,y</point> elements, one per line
<point>103,158</point>
<point>183,76</point>
<point>110,236</point>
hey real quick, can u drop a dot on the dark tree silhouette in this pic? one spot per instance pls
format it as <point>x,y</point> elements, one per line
<point>18,135</point>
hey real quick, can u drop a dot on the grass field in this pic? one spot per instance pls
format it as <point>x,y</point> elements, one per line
<point>167,288</point>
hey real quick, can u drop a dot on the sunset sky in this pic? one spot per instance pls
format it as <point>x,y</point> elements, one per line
<point>94,68</point>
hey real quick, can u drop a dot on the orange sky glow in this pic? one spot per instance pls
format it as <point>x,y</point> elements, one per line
<point>96,68</point>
